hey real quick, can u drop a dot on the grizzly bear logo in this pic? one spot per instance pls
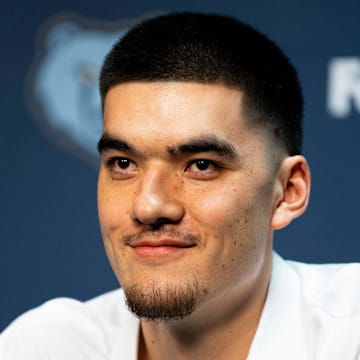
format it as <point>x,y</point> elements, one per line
<point>62,87</point>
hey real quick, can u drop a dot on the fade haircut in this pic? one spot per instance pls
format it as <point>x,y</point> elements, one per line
<point>213,49</point>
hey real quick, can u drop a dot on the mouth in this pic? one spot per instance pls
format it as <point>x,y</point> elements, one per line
<point>156,249</point>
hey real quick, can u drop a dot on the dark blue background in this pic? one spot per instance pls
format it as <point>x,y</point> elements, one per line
<point>50,242</point>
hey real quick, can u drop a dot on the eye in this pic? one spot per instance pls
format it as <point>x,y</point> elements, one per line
<point>121,167</point>
<point>122,163</point>
<point>203,169</point>
<point>202,165</point>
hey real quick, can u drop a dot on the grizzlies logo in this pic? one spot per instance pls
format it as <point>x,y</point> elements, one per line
<point>62,86</point>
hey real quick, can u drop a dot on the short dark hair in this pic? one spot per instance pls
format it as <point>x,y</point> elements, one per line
<point>209,48</point>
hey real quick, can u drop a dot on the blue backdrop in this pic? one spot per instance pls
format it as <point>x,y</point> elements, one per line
<point>50,56</point>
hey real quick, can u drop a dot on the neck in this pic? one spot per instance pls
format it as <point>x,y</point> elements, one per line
<point>220,328</point>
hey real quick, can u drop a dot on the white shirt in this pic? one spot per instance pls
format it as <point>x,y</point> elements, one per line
<point>312,312</point>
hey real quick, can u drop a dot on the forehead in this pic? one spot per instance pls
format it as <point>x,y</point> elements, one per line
<point>155,116</point>
<point>176,106</point>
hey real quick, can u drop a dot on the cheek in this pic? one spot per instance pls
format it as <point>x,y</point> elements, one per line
<point>227,225</point>
<point>222,217</point>
<point>222,208</point>
<point>111,207</point>
<point>109,212</point>
<point>234,221</point>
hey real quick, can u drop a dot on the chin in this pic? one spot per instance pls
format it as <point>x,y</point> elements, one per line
<point>162,302</point>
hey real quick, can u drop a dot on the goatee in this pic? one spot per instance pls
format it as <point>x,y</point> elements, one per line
<point>163,303</point>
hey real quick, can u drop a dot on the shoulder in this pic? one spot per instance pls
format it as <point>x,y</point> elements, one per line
<point>328,306</point>
<point>60,311</point>
<point>316,308</point>
<point>335,288</point>
<point>65,328</point>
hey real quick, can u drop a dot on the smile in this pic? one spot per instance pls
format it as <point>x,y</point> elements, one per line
<point>160,249</point>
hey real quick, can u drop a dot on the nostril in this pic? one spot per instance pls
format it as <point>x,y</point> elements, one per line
<point>157,223</point>
<point>165,221</point>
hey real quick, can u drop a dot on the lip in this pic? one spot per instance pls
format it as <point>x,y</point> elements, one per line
<point>156,249</point>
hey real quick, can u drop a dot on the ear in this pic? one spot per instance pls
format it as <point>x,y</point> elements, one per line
<point>293,191</point>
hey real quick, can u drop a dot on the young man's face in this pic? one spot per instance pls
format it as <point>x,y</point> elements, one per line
<point>186,195</point>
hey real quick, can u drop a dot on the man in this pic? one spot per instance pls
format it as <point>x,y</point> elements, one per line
<point>200,163</point>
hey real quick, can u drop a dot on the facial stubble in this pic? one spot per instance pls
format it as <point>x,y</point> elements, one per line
<point>160,301</point>
<point>163,303</point>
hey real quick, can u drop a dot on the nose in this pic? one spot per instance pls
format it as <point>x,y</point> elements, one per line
<point>157,202</point>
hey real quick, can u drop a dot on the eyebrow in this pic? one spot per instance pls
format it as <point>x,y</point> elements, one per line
<point>209,143</point>
<point>107,142</point>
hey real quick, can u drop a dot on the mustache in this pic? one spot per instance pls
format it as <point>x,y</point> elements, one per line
<point>173,234</point>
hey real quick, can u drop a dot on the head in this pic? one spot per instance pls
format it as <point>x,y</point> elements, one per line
<point>199,162</point>
<point>214,49</point>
